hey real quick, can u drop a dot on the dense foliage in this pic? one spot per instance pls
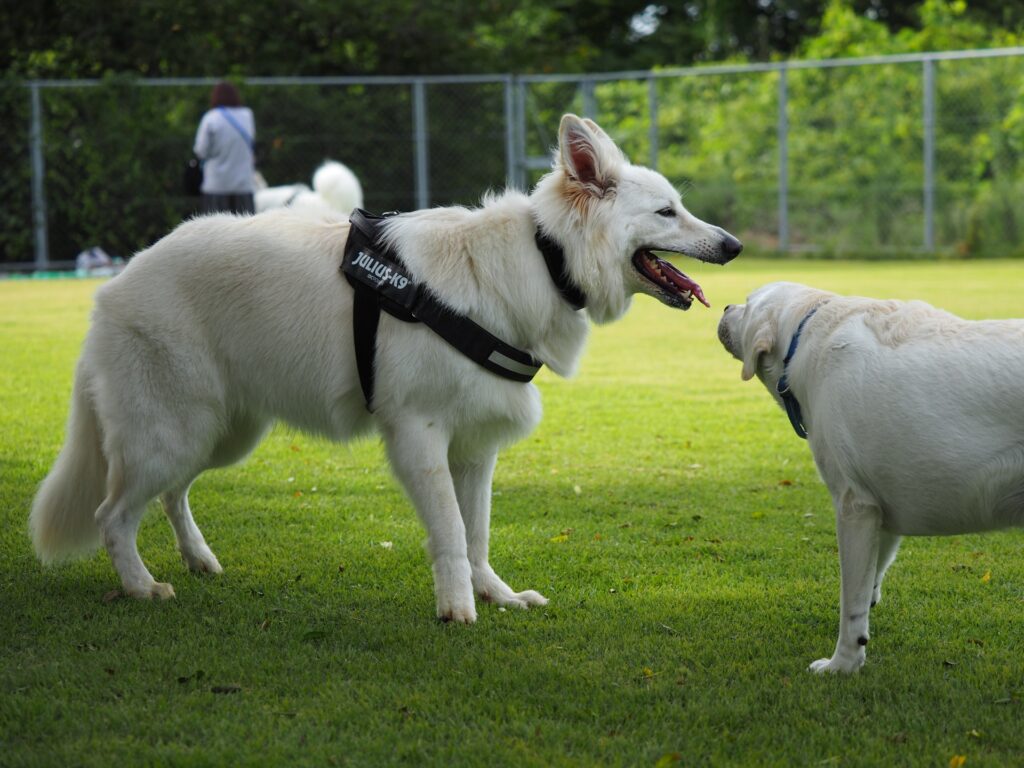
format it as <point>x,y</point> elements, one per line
<point>113,152</point>
<point>190,38</point>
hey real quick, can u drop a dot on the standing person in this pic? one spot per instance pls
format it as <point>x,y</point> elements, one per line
<point>224,142</point>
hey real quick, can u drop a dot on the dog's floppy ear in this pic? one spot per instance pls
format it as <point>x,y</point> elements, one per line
<point>585,154</point>
<point>764,341</point>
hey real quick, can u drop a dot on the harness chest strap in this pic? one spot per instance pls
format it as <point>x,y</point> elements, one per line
<point>381,281</point>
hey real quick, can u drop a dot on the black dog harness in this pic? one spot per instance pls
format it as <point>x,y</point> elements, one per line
<point>381,281</point>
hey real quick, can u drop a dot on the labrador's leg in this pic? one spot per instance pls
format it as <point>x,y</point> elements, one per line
<point>857,529</point>
<point>888,545</point>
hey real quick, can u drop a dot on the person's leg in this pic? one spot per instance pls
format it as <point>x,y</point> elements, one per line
<point>214,203</point>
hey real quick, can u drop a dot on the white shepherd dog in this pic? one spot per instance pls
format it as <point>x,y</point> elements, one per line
<point>335,189</point>
<point>230,323</point>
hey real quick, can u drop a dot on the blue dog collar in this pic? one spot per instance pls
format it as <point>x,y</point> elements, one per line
<point>788,398</point>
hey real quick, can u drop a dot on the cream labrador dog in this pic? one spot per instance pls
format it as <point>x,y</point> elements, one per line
<point>914,416</point>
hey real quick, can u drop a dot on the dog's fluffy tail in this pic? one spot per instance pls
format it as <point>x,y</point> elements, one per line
<point>62,520</point>
<point>336,184</point>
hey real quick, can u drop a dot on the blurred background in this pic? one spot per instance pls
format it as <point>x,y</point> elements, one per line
<point>841,128</point>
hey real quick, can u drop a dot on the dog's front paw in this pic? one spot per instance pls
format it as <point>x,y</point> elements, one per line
<point>453,588</point>
<point>876,595</point>
<point>491,588</point>
<point>461,611</point>
<point>837,663</point>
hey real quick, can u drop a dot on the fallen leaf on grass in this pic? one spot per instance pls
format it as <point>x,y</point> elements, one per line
<point>559,538</point>
<point>785,482</point>
<point>265,624</point>
<point>987,577</point>
<point>948,663</point>
<point>112,595</point>
<point>957,761</point>
<point>667,760</point>
<point>386,544</point>
<point>577,490</point>
<point>974,733</point>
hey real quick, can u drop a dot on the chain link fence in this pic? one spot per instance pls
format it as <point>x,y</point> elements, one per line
<point>901,155</point>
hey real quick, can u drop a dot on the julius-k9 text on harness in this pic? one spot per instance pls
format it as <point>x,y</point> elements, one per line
<point>382,282</point>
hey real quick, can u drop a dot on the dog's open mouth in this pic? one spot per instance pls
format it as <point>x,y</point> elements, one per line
<point>674,288</point>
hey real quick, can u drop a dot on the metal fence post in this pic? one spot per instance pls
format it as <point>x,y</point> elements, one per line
<point>589,105</point>
<point>419,111</point>
<point>521,108</point>
<point>38,181</point>
<point>510,133</point>
<point>929,154</point>
<point>652,116</point>
<point>783,130</point>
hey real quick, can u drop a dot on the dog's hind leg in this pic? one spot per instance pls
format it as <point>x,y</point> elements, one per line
<point>191,544</point>
<point>118,519</point>
<point>858,524</point>
<point>418,450</point>
<point>242,436</point>
<point>473,489</point>
<point>888,545</point>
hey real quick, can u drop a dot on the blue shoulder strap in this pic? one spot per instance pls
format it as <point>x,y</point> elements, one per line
<point>236,125</point>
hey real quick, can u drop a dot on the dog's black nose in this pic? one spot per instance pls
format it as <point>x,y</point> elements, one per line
<point>731,247</point>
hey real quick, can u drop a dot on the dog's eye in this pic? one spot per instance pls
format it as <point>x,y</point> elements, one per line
<point>667,212</point>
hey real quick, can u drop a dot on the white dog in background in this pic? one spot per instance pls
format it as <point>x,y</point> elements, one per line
<point>915,419</point>
<point>230,323</point>
<point>335,190</point>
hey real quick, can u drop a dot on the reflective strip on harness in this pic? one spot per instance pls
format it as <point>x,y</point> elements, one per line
<point>381,281</point>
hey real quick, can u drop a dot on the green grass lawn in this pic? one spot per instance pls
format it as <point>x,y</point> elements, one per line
<point>665,507</point>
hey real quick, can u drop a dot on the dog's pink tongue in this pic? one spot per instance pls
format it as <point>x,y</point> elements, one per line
<point>686,284</point>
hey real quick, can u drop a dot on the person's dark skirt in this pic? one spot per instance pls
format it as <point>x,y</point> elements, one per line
<point>242,203</point>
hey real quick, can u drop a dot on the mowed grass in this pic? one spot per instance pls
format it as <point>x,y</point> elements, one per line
<point>665,507</point>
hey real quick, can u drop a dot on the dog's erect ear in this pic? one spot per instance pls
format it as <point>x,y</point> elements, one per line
<point>586,155</point>
<point>764,341</point>
<point>598,131</point>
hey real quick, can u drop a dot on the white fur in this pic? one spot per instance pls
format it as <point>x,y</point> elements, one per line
<point>335,190</point>
<point>915,419</point>
<point>230,323</point>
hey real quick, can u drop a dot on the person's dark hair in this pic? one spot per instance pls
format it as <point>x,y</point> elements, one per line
<point>224,94</point>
